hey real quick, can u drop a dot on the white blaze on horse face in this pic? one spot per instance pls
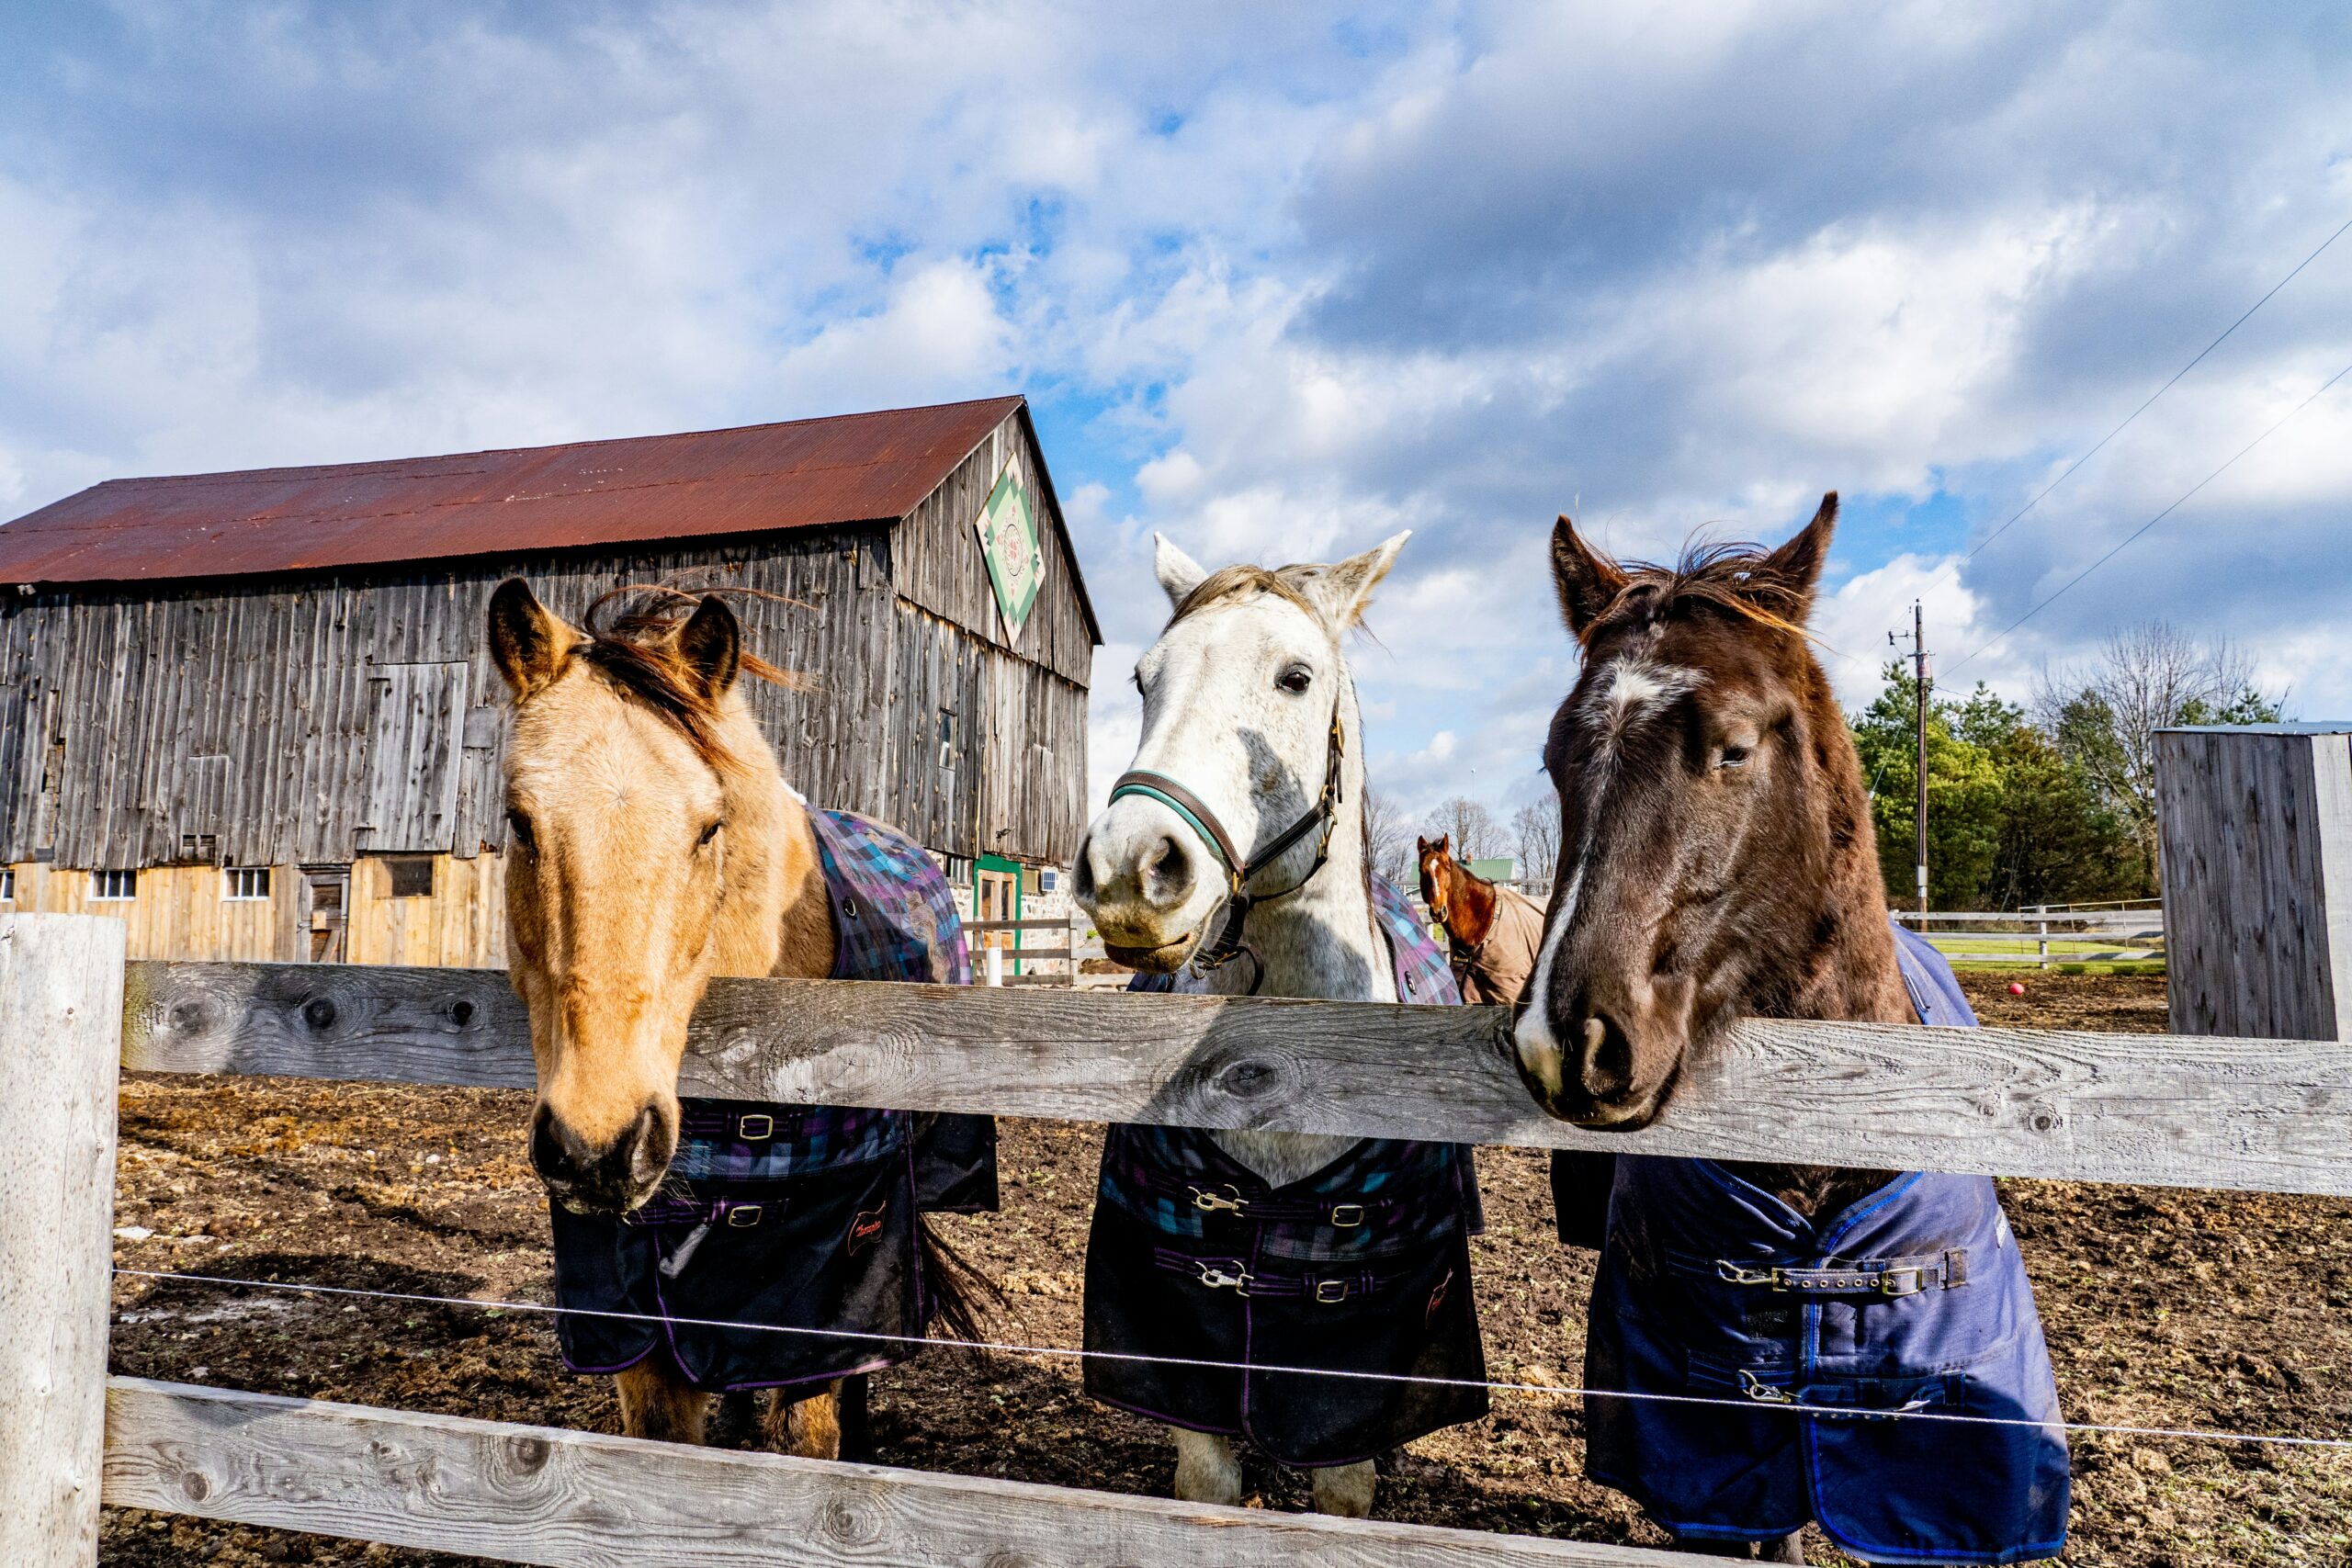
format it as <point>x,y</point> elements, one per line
<point>1634,689</point>
<point>1539,1048</point>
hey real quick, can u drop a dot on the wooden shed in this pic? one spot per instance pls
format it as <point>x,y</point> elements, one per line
<point>2257,830</point>
<point>254,714</point>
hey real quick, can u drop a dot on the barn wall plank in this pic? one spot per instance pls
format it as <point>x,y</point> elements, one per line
<point>2132,1108</point>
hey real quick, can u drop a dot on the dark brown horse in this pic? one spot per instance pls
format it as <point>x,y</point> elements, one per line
<point>1717,859</point>
<point>1494,931</point>
<point>1716,853</point>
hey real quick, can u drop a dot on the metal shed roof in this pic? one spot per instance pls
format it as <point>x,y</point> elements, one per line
<point>809,473</point>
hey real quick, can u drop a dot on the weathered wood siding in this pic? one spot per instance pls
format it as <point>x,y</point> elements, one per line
<point>178,913</point>
<point>320,718</point>
<point>940,566</point>
<point>2256,827</point>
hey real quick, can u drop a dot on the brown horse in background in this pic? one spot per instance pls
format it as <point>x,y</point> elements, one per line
<point>1494,931</point>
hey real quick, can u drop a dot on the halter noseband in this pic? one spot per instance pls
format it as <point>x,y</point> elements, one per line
<point>1202,820</point>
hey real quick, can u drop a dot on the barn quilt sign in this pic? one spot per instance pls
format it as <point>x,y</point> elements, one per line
<point>1007,531</point>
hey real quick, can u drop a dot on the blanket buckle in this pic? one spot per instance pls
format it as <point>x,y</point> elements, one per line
<point>1212,1203</point>
<point>1733,1273</point>
<point>1216,1278</point>
<point>1763,1393</point>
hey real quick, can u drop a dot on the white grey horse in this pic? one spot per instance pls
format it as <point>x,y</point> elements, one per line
<point>1248,700</point>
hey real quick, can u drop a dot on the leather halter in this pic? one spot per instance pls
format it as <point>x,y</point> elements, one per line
<point>1197,813</point>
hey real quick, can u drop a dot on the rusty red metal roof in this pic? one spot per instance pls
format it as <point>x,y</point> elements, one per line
<point>809,473</point>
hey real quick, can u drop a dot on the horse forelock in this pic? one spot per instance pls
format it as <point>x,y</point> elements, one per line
<point>1236,582</point>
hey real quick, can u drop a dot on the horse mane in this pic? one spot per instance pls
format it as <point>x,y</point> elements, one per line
<point>633,641</point>
<point>1736,576</point>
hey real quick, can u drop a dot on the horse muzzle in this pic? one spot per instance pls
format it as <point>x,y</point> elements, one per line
<point>610,1179</point>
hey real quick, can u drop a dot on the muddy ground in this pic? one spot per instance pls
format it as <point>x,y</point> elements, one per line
<point>2164,1308</point>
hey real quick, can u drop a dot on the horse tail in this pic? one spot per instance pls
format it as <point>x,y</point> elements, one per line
<point>955,1286</point>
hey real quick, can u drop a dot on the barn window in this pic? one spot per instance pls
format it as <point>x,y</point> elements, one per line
<point>240,882</point>
<point>947,738</point>
<point>7,884</point>
<point>412,876</point>
<point>114,885</point>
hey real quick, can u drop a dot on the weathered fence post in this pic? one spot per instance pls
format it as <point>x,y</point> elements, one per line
<point>2257,829</point>
<point>61,1042</point>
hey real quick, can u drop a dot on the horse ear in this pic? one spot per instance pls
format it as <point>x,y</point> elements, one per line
<point>527,642</point>
<point>1795,567</point>
<point>1585,579</point>
<point>1179,573</point>
<point>1343,592</point>
<point>711,643</point>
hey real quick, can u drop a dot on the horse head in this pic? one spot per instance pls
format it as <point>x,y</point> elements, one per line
<point>1247,701</point>
<point>1436,859</point>
<point>644,806</point>
<point>1714,837</point>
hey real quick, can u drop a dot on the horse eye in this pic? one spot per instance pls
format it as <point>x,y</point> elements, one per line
<point>521,826</point>
<point>1733,756</point>
<point>710,832</point>
<point>1296,680</point>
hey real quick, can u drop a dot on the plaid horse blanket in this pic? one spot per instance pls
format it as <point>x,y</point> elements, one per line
<point>1911,1300</point>
<point>1362,1266</point>
<point>779,1222</point>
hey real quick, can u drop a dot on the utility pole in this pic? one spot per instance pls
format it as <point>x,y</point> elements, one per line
<point>1920,718</point>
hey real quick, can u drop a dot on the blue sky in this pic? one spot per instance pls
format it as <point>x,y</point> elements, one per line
<point>1280,280</point>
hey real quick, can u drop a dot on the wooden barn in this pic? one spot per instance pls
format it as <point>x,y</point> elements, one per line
<point>253,713</point>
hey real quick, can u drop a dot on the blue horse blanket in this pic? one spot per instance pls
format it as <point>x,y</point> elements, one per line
<point>793,1217</point>
<point>1913,1299</point>
<point>1361,1267</point>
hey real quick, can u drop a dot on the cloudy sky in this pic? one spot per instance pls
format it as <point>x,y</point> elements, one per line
<point>1280,280</point>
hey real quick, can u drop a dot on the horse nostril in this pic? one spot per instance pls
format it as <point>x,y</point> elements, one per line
<point>1605,1057</point>
<point>550,1156</point>
<point>1081,876</point>
<point>1168,872</point>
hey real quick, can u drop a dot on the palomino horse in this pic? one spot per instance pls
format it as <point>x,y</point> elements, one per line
<point>1494,930</point>
<point>656,845</point>
<point>1717,861</point>
<point>1234,852</point>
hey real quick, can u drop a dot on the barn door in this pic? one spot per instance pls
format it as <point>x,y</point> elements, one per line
<point>996,886</point>
<point>326,913</point>
<point>415,747</point>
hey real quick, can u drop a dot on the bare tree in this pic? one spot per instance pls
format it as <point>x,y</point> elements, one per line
<point>1475,832</point>
<point>2104,719</point>
<point>1388,840</point>
<point>1536,826</point>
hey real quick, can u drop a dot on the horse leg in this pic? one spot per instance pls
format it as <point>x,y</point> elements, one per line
<point>809,1425</point>
<point>1346,1489</point>
<point>655,1403</point>
<point>1206,1471</point>
<point>1790,1548</point>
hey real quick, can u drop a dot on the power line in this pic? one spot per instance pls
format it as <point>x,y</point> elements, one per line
<point>2168,512</point>
<point>2159,392</point>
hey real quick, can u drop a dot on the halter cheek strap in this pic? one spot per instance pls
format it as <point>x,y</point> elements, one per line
<point>1197,813</point>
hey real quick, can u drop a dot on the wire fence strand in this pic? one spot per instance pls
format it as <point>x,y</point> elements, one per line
<point>1064,1352</point>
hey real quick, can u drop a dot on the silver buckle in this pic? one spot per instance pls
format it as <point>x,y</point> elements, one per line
<point>1732,1273</point>
<point>1216,1278</point>
<point>1354,1212</point>
<point>1330,1291</point>
<point>1211,1202</point>
<point>1907,1280</point>
<point>743,1218</point>
<point>766,1129</point>
<point>1763,1393</point>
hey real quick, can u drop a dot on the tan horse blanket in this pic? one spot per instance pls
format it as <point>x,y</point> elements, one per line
<point>1497,970</point>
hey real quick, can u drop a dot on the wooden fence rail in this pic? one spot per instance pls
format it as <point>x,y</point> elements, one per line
<point>584,1500</point>
<point>2210,1112</point>
<point>2132,1108</point>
